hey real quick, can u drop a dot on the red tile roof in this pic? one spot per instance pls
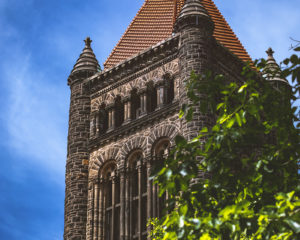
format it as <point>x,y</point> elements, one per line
<point>154,22</point>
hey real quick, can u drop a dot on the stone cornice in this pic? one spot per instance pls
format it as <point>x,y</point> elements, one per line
<point>133,67</point>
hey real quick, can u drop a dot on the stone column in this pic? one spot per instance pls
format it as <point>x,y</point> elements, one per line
<point>101,209</point>
<point>127,205</point>
<point>113,233</point>
<point>139,166</point>
<point>143,101</point>
<point>149,194</point>
<point>127,110</point>
<point>111,118</point>
<point>96,209</point>
<point>122,202</point>
<point>97,121</point>
<point>160,95</point>
<point>154,200</point>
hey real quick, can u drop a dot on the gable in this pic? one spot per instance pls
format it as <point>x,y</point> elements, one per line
<point>154,22</point>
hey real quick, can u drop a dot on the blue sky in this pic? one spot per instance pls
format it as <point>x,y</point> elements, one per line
<point>39,43</point>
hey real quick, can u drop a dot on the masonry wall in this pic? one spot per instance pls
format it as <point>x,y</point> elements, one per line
<point>140,134</point>
<point>77,164</point>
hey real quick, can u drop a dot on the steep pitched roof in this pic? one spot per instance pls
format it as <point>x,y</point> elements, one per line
<point>154,22</point>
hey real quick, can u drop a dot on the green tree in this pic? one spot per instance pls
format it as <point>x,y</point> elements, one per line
<point>243,182</point>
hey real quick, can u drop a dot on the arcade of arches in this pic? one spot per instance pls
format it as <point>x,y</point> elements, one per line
<point>124,199</point>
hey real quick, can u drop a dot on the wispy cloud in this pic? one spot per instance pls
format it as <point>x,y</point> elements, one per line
<point>35,116</point>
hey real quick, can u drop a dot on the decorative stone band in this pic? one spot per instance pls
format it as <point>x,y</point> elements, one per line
<point>113,76</point>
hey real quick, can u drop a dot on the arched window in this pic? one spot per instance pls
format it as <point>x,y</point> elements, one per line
<point>137,196</point>
<point>111,214</point>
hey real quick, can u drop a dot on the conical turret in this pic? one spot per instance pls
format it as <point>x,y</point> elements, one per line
<point>272,71</point>
<point>193,7</point>
<point>87,64</point>
<point>193,12</point>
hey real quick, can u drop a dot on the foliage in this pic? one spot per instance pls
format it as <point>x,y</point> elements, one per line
<point>242,182</point>
<point>157,231</point>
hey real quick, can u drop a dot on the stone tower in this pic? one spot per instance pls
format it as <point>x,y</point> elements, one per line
<point>123,120</point>
<point>196,31</point>
<point>78,154</point>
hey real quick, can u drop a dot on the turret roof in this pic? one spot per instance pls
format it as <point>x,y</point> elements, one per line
<point>192,7</point>
<point>272,70</point>
<point>87,60</point>
<point>155,21</point>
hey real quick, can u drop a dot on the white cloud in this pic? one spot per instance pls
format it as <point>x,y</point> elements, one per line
<point>35,116</point>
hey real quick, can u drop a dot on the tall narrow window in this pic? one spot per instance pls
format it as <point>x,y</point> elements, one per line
<point>111,205</point>
<point>161,150</point>
<point>102,120</point>
<point>151,97</point>
<point>138,197</point>
<point>135,104</point>
<point>169,88</point>
<point>108,207</point>
<point>119,112</point>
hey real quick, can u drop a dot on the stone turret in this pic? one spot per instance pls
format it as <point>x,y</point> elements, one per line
<point>77,157</point>
<point>196,29</point>
<point>272,68</point>
<point>273,73</point>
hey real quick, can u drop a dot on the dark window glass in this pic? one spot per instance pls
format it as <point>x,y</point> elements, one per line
<point>108,222</point>
<point>103,120</point>
<point>117,190</point>
<point>135,104</point>
<point>119,112</point>
<point>144,213</point>
<point>109,194</point>
<point>144,180</point>
<point>117,224</point>
<point>151,98</point>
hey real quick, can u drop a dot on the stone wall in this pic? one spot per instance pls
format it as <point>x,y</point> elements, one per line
<point>77,164</point>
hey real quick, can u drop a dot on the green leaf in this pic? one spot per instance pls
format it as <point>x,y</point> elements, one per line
<point>182,110</point>
<point>183,210</point>
<point>204,130</point>
<point>238,119</point>
<point>181,113</point>
<point>216,128</point>
<point>230,123</point>
<point>220,105</point>
<point>297,49</point>
<point>242,88</point>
